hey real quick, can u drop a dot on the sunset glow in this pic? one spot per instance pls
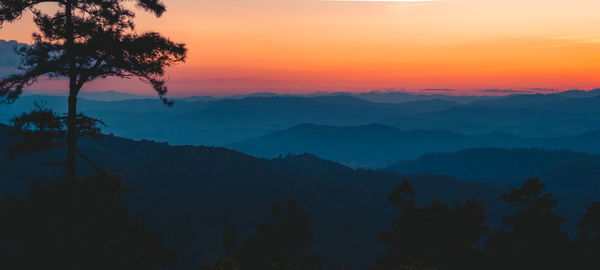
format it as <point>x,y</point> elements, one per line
<point>300,46</point>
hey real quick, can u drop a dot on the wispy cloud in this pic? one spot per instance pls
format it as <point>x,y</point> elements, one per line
<point>544,89</point>
<point>591,38</point>
<point>506,91</point>
<point>437,89</point>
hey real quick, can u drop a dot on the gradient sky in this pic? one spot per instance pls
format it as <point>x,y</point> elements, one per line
<point>299,46</point>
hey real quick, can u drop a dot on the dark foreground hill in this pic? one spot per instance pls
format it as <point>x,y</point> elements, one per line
<point>191,194</point>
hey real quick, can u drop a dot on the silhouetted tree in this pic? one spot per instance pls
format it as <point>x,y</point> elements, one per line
<point>280,247</point>
<point>42,232</point>
<point>589,225</point>
<point>42,129</point>
<point>588,244</point>
<point>433,236</point>
<point>87,40</point>
<point>532,238</point>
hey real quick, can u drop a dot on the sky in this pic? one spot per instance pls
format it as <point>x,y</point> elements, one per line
<point>303,46</point>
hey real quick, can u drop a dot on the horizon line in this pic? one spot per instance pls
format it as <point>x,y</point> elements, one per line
<point>492,92</point>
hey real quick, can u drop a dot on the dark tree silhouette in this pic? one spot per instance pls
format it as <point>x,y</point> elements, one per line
<point>280,247</point>
<point>589,225</point>
<point>533,238</point>
<point>67,223</point>
<point>42,129</point>
<point>588,244</point>
<point>42,232</point>
<point>433,236</point>
<point>87,40</point>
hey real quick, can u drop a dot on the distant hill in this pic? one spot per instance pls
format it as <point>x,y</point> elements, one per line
<point>112,96</point>
<point>563,171</point>
<point>220,122</point>
<point>401,97</point>
<point>580,93</point>
<point>223,121</point>
<point>524,115</point>
<point>377,145</point>
<point>93,96</point>
<point>371,145</point>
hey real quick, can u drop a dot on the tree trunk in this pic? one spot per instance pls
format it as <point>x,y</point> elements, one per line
<point>73,91</point>
<point>71,133</point>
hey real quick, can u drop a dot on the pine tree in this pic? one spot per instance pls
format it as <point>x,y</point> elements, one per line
<point>436,235</point>
<point>87,40</point>
<point>532,237</point>
<point>588,244</point>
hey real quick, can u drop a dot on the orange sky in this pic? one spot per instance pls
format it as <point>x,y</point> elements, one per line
<point>296,46</point>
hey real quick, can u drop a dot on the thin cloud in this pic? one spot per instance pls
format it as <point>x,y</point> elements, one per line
<point>591,38</point>
<point>506,91</point>
<point>437,89</point>
<point>389,90</point>
<point>544,89</point>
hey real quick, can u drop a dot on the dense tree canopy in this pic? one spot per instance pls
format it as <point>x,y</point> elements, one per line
<point>532,238</point>
<point>435,235</point>
<point>48,230</point>
<point>278,247</point>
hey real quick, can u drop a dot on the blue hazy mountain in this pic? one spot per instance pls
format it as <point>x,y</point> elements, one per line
<point>219,122</point>
<point>372,145</point>
<point>562,170</point>
<point>110,95</point>
<point>401,97</point>
<point>377,145</point>
<point>525,115</point>
<point>206,121</point>
<point>580,93</point>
